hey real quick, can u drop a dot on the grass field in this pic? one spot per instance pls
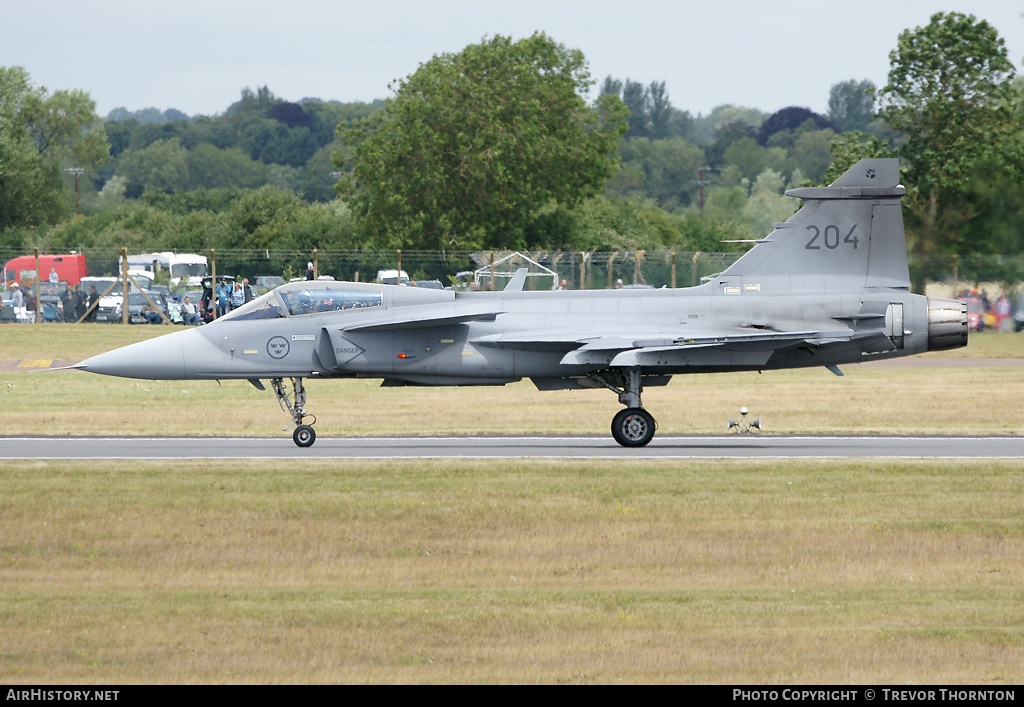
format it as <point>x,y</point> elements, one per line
<point>800,572</point>
<point>770,572</point>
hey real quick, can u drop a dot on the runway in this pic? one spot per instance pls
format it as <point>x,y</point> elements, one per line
<point>753,446</point>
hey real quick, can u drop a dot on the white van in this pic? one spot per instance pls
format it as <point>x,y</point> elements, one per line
<point>393,277</point>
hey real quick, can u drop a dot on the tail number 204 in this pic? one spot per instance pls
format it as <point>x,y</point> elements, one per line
<point>830,235</point>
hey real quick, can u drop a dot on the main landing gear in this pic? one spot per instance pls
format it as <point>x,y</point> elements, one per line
<point>304,435</point>
<point>634,426</point>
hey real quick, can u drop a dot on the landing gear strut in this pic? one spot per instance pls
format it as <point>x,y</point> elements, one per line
<point>304,435</point>
<point>634,426</point>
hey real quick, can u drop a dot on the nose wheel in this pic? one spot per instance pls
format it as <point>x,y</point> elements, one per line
<point>295,405</point>
<point>304,436</point>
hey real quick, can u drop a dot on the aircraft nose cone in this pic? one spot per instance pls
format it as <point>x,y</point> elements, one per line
<point>160,358</point>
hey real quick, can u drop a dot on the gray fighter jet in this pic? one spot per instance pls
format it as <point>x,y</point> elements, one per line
<point>829,286</point>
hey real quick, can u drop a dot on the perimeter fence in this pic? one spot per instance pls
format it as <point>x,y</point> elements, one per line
<point>665,267</point>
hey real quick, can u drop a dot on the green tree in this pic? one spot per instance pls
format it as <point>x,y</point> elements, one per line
<point>163,165</point>
<point>850,104</point>
<point>634,97</point>
<point>209,167</point>
<point>849,148</point>
<point>473,145</point>
<point>261,218</point>
<point>663,170</point>
<point>111,196</point>
<point>752,159</point>
<point>708,128</point>
<point>41,134</point>
<point>651,114</point>
<point>949,92</point>
<point>767,204</point>
<point>996,191</point>
<point>724,139</point>
<point>812,153</point>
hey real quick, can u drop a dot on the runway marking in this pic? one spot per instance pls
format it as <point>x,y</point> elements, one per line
<point>37,363</point>
<point>555,457</point>
<point>536,438</point>
<point>577,447</point>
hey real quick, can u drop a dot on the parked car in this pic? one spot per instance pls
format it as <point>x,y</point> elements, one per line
<point>393,277</point>
<point>111,309</point>
<point>101,284</point>
<point>266,283</point>
<point>429,284</point>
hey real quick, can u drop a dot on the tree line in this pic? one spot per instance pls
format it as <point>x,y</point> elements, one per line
<point>496,147</point>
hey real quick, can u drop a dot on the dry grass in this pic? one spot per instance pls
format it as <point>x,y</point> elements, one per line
<point>711,572</point>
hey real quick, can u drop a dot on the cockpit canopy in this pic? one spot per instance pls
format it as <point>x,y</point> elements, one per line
<point>297,299</point>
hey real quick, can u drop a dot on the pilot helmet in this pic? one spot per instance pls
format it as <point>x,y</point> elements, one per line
<point>304,302</point>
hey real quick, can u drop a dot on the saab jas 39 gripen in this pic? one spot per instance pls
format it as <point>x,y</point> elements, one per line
<point>829,286</point>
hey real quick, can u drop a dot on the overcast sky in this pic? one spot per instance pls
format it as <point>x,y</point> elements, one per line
<point>197,55</point>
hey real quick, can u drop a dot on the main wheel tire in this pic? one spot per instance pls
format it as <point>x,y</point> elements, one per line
<point>304,436</point>
<point>633,427</point>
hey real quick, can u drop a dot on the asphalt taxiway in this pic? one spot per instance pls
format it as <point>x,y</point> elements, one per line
<point>747,446</point>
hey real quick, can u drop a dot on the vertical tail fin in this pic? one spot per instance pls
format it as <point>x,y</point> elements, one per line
<point>846,237</point>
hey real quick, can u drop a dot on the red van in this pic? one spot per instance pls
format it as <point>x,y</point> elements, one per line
<point>70,268</point>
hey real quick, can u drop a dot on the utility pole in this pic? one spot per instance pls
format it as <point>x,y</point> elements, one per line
<point>701,182</point>
<point>78,200</point>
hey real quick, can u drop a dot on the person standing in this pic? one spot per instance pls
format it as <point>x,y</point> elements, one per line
<point>223,298</point>
<point>18,300</point>
<point>67,304</point>
<point>30,306</point>
<point>94,298</point>
<point>81,301</point>
<point>237,296</point>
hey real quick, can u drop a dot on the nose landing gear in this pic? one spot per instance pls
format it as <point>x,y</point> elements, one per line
<point>304,435</point>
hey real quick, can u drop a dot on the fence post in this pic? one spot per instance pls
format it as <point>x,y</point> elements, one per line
<point>638,276</point>
<point>39,316</point>
<point>124,287</point>
<point>213,282</point>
